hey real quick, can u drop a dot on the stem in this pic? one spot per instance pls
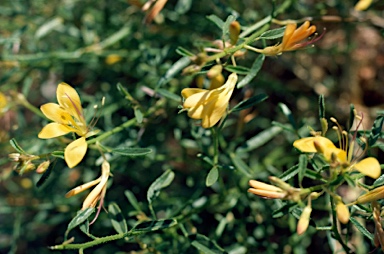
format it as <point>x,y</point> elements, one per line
<point>113,131</point>
<point>228,51</point>
<point>23,101</point>
<point>215,146</point>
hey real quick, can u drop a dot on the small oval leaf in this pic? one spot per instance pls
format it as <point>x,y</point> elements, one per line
<point>212,177</point>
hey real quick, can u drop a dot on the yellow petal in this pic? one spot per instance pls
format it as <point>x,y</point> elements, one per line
<point>70,100</point>
<point>369,167</point>
<point>57,114</point>
<point>307,145</point>
<point>53,130</point>
<point>186,92</point>
<point>362,5</point>
<point>75,152</point>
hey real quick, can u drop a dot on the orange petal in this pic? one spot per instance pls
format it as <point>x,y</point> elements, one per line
<point>369,167</point>
<point>53,130</point>
<point>75,152</point>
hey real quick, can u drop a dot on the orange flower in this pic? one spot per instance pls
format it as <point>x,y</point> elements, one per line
<point>293,39</point>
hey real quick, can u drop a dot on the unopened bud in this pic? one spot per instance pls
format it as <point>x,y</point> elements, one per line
<point>217,82</point>
<point>199,59</point>
<point>303,223</point>
<point>370,196</point>
<point>215,71</point>
<point>42,167</point>
<point>342,212</point>
<point>234,31</point>
<point>14,157</point>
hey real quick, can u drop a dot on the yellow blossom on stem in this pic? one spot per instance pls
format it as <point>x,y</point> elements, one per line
<point>209,105</point>
<point>293,39</point>
<point>67,116</point>
<point>342,156</point>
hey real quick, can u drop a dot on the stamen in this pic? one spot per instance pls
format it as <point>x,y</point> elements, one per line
<point>342,141</point>
<point>311,40</point>
<point>96,115</point>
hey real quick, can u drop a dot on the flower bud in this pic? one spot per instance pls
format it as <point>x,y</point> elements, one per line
<point>303,223</point>
<point>370,196</point>
<point>215,71</point>
<point>42,167</point>
<point>217,82</point>
<point>342,212</point>
<point>234,31</point>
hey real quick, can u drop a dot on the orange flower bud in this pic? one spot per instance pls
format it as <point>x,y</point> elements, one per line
<point>42,167</point>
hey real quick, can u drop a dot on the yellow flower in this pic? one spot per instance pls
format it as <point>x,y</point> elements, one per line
<point>292,39</point>
<point>68,117</point>
<point>209,105</point>
<point>362,5</point>
<point>342,156</point>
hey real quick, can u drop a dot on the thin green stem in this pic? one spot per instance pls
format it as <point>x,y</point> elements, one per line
<point>228,51</point>
<point>117,129</point>
<point>23,101</point>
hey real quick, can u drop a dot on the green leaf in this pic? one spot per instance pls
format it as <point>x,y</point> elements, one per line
<point>351,116</point>
<point>289,173</point>
<point>49,26</point>
<point>81,216</point>
<point>273,34</point>
<point>379,181</point>
<point>216,20</point>
<point>361,228</point>
<point>117,218</point>
<point>16,146</point>
<point>240,165</point>
<point>130,151</point>
<point>376,130</point>
<point>132,199</point>
<point>321,107</point>
<point>303,162</point>
<point>259,140</point>
<point>237,69</point>
<point>205,244</point>
<point>288,113</point>
<point>169,95</point>
<point>212,177</point>
<point>154,225</point>
<point>256,66</point>
<point>284,209</point>
<point>184,52</point>
<point>163,181</point>
<point>175,69</point>
<point>183,6</point>
<point>58,154</point>
<point>138,114</point>
<point>249,102</point>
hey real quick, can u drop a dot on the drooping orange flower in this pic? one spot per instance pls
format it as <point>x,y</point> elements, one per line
<point>293,39</point>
